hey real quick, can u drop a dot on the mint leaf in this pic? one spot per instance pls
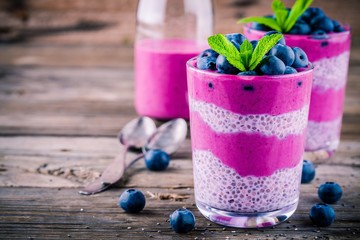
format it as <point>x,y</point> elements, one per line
<point>280,11</point>
<point>270,22</point>
<point>220,44</point>
<point>297,10</point>
<point>264,45</point>
<point>246,51</point>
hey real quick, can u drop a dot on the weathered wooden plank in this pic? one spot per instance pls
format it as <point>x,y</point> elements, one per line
<point>59,213</point>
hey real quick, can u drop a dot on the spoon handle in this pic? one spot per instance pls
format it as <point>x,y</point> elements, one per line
<point>112,173</point>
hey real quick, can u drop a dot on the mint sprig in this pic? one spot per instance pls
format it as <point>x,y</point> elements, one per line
<point>246,58</point>
<point>284,20</point>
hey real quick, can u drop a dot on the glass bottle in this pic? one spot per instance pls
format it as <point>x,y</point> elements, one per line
<point>168,33</point>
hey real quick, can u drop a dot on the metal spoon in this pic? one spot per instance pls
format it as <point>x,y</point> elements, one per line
<point>134,134</point>
<point>167,137</point>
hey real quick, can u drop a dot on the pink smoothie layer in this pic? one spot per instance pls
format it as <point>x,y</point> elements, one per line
<point>160,77</point>
<point>330,100</point>
<point>271,106</point>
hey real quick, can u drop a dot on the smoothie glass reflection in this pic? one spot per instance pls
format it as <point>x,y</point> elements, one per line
<point>247,136</point>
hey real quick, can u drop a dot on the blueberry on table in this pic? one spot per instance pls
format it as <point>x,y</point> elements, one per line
<point>290,70</point>
<point>236,39</point>
<point>182,220</point>
<point>223,66</point>
<point>322,23</point>
<point>271,65</point>
<point>322,215</point>
<point>308,172</point>
<point>330,192</point>
<point>284,53</point>
<point>301,59</point>
<point>156,160</point>
<point>281,41</point>
<point>132,201</point>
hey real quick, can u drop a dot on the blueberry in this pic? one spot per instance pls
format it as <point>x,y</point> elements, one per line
<point>254,43</point>
<point>337,26</point>
<point>312,13</point>
<point>319,34</point>
<point>223,66</point>
<point>182,220</point>
<point>301,59</point>
<point>281,41</point>
<point>284,53</point>
<point>300,28</point>
<point>322,215</point>
<point>261,27</point>
<point>330,192</point>
<point>156,160</point>
<point>236,39</point>
<point>308,172</point>
<point>271,65</point>
<point>132,201</point>
<point>247,73</point>
<point>290,70</point>
<point>322,23</point>
<point>206,63</point>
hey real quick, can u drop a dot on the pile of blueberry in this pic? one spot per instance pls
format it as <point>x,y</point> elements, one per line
<point>281,59</point>
<point>313,22</point>
<point>321,214</point>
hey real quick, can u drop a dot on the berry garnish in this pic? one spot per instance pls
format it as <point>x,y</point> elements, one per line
<point>182,220</point>
<point>132,201</point>
<point>301,59</point>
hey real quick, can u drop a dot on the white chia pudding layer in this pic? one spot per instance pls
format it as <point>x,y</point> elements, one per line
<point>323,134</point>
<point>224,121</point>
<point>221,187</point>
<point>331,73</point>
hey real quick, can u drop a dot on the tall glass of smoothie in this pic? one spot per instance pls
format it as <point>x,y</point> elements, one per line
<point>330,57</point>
<point>169,32</point>
<point>247,135</point>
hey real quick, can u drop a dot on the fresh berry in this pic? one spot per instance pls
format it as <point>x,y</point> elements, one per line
<point>337,26</point>
<point>311,13</point>
<point>223,66</point>
<point>330,192</point>
<point>182,220</point>
<point>284,53</point>
<point>254,43</point>
<point>319,34</point>
<point>247,73</point>
<point>261,27</point>
<point>300,28</point>
<point>271,65</point>
<point>281,41</point>
<point>132,201</point>
<point>156,160</point>
<point>308,172</point>
<point>235,38</point>
<point>322,215</point>
<point>322,23</point>
<point>207,60</point>
<point>301,59</point>
<point>290,70</point>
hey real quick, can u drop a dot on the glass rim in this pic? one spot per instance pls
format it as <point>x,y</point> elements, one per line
<point>190,65</point>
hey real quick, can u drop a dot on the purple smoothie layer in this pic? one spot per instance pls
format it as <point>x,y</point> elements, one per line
<point>160,77</point>
<point>271,106</point>
<point>330,58</point>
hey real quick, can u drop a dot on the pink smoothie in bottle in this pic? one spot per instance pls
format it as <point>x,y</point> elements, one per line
<point>160,77</point>
<point>330,57</point>
<point>247,135</point>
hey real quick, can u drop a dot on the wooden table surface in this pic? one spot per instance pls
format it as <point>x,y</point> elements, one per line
<point>61,108</point>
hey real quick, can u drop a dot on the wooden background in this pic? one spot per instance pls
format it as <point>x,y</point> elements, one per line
<point>66,89</point>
